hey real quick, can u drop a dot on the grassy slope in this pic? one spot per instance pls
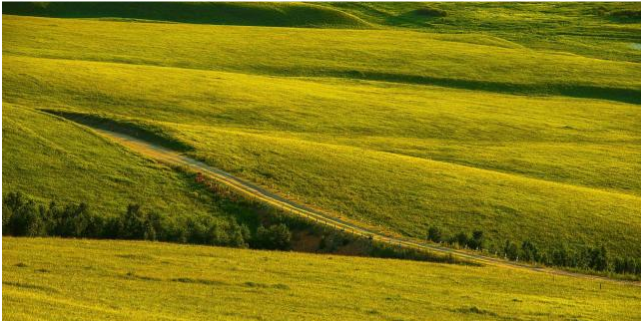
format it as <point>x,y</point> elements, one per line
<point>251,14</point>
<point>50,159</point>
<point>296,122</point>
<point>142,281</point>
<point>296,144</point>
<point>400,56</point>
<point>585,29</point>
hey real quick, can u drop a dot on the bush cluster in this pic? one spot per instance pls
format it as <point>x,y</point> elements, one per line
<point>430,12</point>
<point>475,241</point>
<point>22,216</point>
<point>275,237</point>
<point>627,14</point>
<point>588,258</point>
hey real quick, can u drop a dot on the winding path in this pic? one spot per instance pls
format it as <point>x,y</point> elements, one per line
<point>171,157</point>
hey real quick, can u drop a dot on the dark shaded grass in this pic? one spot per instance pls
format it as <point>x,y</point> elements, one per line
<point>632,96</point>
<point>140,131</point>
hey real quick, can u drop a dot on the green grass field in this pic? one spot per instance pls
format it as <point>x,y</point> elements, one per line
<point>397,154</point>
<point>520,120</point>
<point>143,281</point>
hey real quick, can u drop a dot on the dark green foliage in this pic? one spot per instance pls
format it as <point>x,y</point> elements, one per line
<point>275,237</point>
<point>633,15</point>
<point>434,234</point>
<point>511,250</point>
<point>529,252</point>
<point>461,238</point>
<point>560,256</point>
<point>22,217</point>
<point>136,224</point>
<point>627,265</point>
<point>595,259</point>
<point>430,12</point>
<point>477,241</point>
<point>71,221</point>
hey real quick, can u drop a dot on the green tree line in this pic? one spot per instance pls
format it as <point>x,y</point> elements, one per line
<point>22,216</point>
<point>587,258</point>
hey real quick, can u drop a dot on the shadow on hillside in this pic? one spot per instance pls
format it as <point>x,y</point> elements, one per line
<point>632,96</point>
<point>247,14</point>
<point>144,132</point>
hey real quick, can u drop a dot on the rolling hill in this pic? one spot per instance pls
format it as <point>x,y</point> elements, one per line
<point>520,121</point>
<point>218,13</point>
<point>505,157</point>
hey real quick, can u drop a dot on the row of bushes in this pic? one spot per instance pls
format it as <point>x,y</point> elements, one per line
<point>22,216</point>
<point>588,258</point>
<point>279,236</point>
<point>475,241</point>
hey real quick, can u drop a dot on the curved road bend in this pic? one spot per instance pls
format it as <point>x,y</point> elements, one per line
<point>171,157</point>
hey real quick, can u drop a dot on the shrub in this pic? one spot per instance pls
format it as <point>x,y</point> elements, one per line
<point>477,241</point>
<point>72,220</point>
<point>529,252</point>
<point>26,221</point>
<point>135,224</point>
<point>627,14</point>
<point>22,217</point>
<point>511,250</point>
<point>461,238</point>
<point>241,236</point>
<point>276,237</point>
<point>434,234</point>
<point>597,258</point>
<point>560,256</point>
<point>430,12</point>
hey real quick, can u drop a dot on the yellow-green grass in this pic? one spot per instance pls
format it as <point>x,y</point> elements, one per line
<point>549,169</point>
<point>53,159</point>
<point>591,29</point>
<point>118,280</point>
<point>400,56</point>
<point>219,13</point>
<point>401,157</point>
<point>588,29</point>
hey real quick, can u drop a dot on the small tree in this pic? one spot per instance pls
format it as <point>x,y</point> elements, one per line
<point>276,237</point>
<point>434,234</point>
<point>529,252</point>
<point>239,235</point>
<point>14,200</point>
<point>462,239</point>
<point>511,250</point>
<point>70,221</point>
<point>32,224</point>
<point>477,241</point>
<point>598,258</point>
<point>136,224</point>
<point>560,256</point>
